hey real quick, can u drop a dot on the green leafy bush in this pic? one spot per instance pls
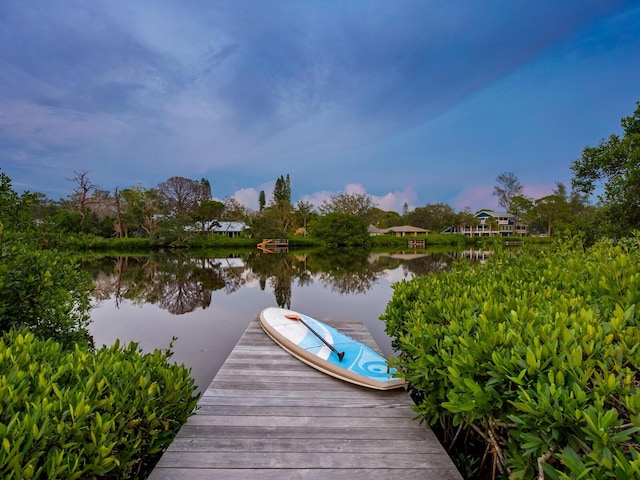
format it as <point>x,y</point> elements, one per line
<point>92,242</point>
<point>80,414</point>
<point>46,291</point>
<point>222,241</point>
<point>339,229</point>
<point>538,354</point>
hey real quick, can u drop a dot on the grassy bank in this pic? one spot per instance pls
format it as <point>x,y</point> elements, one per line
<point>91,242</point>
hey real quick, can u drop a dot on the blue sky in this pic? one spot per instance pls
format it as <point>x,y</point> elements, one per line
<point>417,101</point>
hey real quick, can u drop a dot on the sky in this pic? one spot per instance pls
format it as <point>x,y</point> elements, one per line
<point>416,101</point>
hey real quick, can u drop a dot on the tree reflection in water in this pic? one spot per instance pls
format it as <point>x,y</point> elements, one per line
<point>176,283</point>
<point>347,270</point>
<point>180,283</point>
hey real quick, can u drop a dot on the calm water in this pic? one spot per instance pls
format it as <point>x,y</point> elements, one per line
<point>208,301</point>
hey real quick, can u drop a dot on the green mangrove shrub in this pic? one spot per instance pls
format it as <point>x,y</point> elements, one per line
<point>83,242</point>
<point>337,229</point>
<point>81,414</point>
<point>45,291</point>
<point>536,354</point>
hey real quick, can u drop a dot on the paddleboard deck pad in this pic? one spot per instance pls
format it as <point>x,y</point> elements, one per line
<point>360,365</point>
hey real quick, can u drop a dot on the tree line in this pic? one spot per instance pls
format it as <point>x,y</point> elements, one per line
<point>610,169</point>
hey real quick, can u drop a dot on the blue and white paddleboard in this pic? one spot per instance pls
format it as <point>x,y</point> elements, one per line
<point>328,350</point>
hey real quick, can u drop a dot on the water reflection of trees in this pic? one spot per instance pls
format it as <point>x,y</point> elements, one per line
<point>346,271</point>
<point>175,283</point>
<point>415,264</point>
<point>277,270</point>
<point>180,283</point>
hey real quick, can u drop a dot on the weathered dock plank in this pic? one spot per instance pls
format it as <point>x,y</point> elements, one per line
<point>267,415</point>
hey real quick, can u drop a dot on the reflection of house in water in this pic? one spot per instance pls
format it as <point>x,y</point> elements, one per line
<point>477,255</point>
<point>235,272</point>
<point>231,262</point>
<point>374,257</point>
<point>416,263</point>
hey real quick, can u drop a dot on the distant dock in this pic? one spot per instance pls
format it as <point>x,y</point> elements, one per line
<point>266,415</point>
<point>274,245</point>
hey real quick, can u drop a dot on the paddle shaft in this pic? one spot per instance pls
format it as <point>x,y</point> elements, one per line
<point>333,349</point>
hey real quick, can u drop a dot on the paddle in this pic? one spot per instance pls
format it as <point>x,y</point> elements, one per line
<point>333,349</point>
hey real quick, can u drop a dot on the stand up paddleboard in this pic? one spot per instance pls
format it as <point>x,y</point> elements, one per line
<point>327,350</point>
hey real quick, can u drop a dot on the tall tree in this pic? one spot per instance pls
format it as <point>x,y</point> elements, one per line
<point>385,218</point>
<point>552,209</point>
<point>281,206</point>
<point>349,203</point>
<point>560,190</point>
<point>80,198</point>
<point>205,189</point>
<point>101,203</point>
<point>141,209</point>
<point>181,196</point>
<point>507,189</point>
<point>466,218</point>
<point>521,207</point>
<point>207,215</point>
<point>282,190</point>
<point>302,214</point>
<point>120,227</point>
<point>615,165</point>
<point>261,200</point>
<point>433,216</point>
<point>233,211</point>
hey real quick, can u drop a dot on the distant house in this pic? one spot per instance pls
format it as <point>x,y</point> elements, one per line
<point>230,229</point>
<point>373,230</point>
<point>400,231</point>
<point>490,224</point>
<point>406,231</point>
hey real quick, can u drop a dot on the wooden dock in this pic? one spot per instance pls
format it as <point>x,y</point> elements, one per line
<point>266,415</point>
<point>418,243</point>
<point>274,245</point>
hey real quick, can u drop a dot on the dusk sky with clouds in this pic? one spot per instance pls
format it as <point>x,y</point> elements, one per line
<point>417,101</point>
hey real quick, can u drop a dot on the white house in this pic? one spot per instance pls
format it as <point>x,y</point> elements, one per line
<point>490,224</point>
<point>230,229</point>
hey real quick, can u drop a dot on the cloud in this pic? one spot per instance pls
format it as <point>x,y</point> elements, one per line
<point>476,198</point>
<point>480,197</point>
<point>135,92</point>
<point>395,201</point>
<point>283,66</point>
<point>248,197</point>
<point>535,192</point>
<point>392,201</point>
